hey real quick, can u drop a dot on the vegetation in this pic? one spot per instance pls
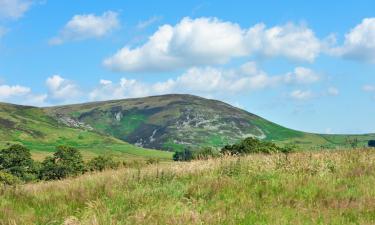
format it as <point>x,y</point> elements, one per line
<point>249,145</point>
<point>101,163</point>
<point>66,162</point>
<point>326,187</point>
<point>16,160</point>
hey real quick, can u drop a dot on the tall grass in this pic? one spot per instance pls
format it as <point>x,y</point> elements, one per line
<point>300,188</point>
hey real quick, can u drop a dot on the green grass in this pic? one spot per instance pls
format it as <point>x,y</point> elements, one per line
<point>334,187</point>
<point>40,133</point>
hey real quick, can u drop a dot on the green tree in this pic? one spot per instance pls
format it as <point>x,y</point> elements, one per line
<point>16,160</point>
<point>185,155</point>
<point>66,161</point>
<point>101,163</point>
<point>250,145</point>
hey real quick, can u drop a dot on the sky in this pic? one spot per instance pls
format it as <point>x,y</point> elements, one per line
<point>305,65</point>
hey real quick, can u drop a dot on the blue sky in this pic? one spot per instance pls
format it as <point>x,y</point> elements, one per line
<point>307,66</point>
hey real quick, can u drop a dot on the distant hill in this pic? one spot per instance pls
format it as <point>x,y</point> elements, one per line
<point>172,122</point>
<point>35,129</point>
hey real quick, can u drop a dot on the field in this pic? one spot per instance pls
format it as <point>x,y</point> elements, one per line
<point>325,187</point>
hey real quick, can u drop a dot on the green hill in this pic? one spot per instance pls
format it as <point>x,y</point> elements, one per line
<point>41,133</point>
<point>172,122</point>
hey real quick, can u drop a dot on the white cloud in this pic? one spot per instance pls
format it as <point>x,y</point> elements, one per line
<point>291,41</point>
<point>203,81</point>
<point>301,95</point>
<point>208,41</point>
<point>144,24</point>
<point>359,43</point>
<point>368,88</point>
<point>302,75</point>
<point>7,91</point>
<point>332,91</point>
<point>62,89</point>
<point>14,9</point>
<point>82,27</point>
<point>21,95</point>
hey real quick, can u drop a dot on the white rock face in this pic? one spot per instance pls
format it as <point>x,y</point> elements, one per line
<point>70,122</point>
<point>118,116</point>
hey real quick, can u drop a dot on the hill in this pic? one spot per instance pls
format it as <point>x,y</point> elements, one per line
<point>172,122</point>
<point>334,187</point>
<point>41,133</point>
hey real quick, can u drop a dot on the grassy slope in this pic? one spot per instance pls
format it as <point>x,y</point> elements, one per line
<point>33,128</point>
<point>142,116</point>
<point>307,188</point>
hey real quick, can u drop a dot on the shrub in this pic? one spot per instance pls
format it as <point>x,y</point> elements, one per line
<point>101,163</point>
<point>66,161</point>
<point>16,160</point>
<point>8,179</point>
<point>185,155</point>
<point>371,143</point>
<point>250,145</point>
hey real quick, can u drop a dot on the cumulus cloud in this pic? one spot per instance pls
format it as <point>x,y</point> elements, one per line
<point>301,95</point>
<point>302,75</point>
<point>208,41</point>
<point>204,81</point>
<point>62,89</point>
<point>21,95</point>
<point>359,43</point>
<point>86,26</point>
<point>14,9</point>
<point>7,91</point>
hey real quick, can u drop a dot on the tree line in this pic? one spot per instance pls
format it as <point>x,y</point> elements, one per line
<point>17,166</point>
<point>247,146</point>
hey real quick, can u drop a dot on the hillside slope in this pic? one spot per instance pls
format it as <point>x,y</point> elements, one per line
<point>172,122</point>
<point>41,133</point>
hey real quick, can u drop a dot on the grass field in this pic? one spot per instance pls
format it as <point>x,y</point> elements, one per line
<point>327,187</point>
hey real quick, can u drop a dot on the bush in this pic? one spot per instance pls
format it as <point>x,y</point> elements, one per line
<point>371,143</point>
<point>185,155</point>
<point>66,161</point>
<point>8,179</point>
<point>16,160</point>
<point>101,163</point>
<point>250,145</point>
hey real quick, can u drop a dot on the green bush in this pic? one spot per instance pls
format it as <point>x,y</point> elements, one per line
<point>16,160</point>
<point>8,179</point>
<point>185,155</point>
<point>66,161</point>
<point>101,163</point>
<point>250,145</point>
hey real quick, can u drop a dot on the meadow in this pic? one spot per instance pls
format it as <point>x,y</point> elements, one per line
<point>322,187</point>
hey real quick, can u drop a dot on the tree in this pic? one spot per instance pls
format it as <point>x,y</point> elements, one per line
<point>371,143</point>
<point>101,163</point>
<point>250,145</point>
<point>66,161</point>
<point>185,155</point>
<point>16,160</point>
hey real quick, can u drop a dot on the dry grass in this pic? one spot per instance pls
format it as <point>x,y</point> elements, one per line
<point>302,188</point>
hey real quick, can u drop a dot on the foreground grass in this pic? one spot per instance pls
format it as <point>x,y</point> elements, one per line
<point>303,188</point>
